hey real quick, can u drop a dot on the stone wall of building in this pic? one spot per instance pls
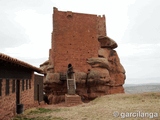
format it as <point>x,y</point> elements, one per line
<point>8,102</point>
<point>74,39</point>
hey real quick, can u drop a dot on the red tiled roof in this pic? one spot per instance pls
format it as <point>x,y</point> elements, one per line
<point>19,62</point>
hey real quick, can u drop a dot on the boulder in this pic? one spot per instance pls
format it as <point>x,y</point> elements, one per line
<point>104,53</point>
<point>98,62</point>
<point>92,96</point>
<point>45,63</point>
<point>118,89</point>
<point>99,74</point>
<point>50,69</point>
<point>44,66</point>
<point>107,42</point>
<point>54,99</point>
<point>80,76</point>
<point>118,79</point>
<point>53,77</point>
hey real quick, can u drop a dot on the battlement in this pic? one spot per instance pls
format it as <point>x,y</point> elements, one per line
<point>70,13</point>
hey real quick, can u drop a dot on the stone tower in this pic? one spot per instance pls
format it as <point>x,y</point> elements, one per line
<point>74,39</point>
<point>80,40</point>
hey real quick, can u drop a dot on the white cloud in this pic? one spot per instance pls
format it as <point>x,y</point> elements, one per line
<point>137,50</point>
<point>36,25</point>
<point>38,28</point>
<point>133,24</point>
<point>140,60</point>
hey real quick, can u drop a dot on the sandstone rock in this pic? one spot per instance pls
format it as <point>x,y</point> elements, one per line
<point>116,72</point>
<point>104,52</point>
<point>118,78</point>
<point>50,97</point>
<point>44,66</point>
<point>100,74</point>
<point>54,99</point>
<point>92,96</point>
<point>121,69</point>
<point>107,42</point>
<point>114,62</point>
<point>80,76</point>
<point>50,68</point>
<point>111,83</point>
<point>101,89</point>
<point>52,77</point>
<point>98,62</point>
<point>82,91</point>
<point>45,63</point>
<point>113,57</point>
<point>118,89</point>
<point>106,76</point>
<point>116,67</point>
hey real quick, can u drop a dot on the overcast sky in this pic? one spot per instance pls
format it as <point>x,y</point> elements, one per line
<point>26,26</point>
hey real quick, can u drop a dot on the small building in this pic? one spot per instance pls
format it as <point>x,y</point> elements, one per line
<point>20,88</point>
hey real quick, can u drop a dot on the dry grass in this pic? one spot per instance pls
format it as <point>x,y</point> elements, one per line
<point>101,108</point>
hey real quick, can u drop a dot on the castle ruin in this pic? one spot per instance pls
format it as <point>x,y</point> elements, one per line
<point>80,40</point>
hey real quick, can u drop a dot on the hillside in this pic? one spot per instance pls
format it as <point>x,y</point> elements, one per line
<point>142,106</point>
<point>141,88</point>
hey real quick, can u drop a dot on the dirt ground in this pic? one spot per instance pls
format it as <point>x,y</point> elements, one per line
<point>144,106</point>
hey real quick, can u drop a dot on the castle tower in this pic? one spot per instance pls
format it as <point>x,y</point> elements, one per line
<point>82,59</point>
<point>74,39</point>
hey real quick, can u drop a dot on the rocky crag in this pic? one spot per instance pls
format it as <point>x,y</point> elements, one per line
<point>106,75</point>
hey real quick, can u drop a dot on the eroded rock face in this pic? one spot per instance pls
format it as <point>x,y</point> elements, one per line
<point>99,74</point>
<point>107,42</point>
<point>106,76</point>
<point>108,58</point>
<point>44,66</point>
<point>98,62</point>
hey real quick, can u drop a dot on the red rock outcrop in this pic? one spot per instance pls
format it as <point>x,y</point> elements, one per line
<point>109,61</point>
<point>81,40</point>
<point>106,76</point>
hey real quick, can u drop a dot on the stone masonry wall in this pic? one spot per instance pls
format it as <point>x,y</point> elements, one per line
<point>8,102</point>
<point>74,39</point>
<point>27,96</point>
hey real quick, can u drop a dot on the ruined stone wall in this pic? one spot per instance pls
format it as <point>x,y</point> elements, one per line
<point>74,39</point>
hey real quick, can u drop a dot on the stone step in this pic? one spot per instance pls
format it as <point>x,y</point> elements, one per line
<point>71,91</point>
<point>72,99</point>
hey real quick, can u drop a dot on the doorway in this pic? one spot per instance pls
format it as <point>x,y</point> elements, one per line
<point>38,93</point>
<point>17,92</point>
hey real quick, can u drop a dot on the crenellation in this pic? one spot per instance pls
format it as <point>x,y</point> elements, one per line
<point>55,9</point>
<point>69,13</point>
